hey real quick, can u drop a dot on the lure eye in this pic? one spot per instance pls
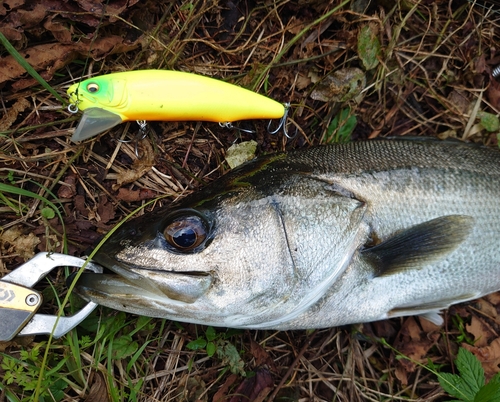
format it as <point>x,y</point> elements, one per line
<point>92,87</point>
<point>186,233</point>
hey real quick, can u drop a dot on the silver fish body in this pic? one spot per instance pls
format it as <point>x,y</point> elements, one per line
<point>316,238</point>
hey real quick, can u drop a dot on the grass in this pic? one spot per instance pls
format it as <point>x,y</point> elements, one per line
<point>424,69</point>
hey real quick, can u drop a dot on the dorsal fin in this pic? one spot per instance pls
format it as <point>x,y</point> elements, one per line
<point>419,245</point>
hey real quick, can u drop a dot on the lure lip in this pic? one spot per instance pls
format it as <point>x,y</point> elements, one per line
<point>93,122</point>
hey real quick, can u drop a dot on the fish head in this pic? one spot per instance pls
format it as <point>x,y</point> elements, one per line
<point>247,257</point>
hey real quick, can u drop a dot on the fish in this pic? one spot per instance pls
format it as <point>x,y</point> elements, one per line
<point>163,95</point>
<point>315,238</point>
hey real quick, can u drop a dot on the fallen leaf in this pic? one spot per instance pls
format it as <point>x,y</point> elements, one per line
<point>369,45</point>
<point>414,343</point>
<point>261,356</point>
<point>343,85</point>
<point>480,331</point>
<point>12,34</point>
<point>489,356</point>
<point>15,241</point>
<point>493,298</point>
<point>98,390</point>
<point>237,154</point>
<point>69,190</point>
<point>127,195</point>
<point>60,30</point>
<point>30,17</point>
<point>493,93</point>
<point>221,394</point>
<point>193,389</point>
<point>459,101</point>
<point>139,168</point>
<point>105,209</point>
<point>11,4</point>
<point>80,205</point>
<point>254,389</point>
<point>50,57</point>
<point>11,114</point>
<point>47,57</point>
<point>487,308</point>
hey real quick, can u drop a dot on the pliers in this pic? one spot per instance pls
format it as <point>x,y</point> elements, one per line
<point>19,302</point>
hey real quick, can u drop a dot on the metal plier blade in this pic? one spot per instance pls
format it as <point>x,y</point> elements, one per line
<point>19,302</point>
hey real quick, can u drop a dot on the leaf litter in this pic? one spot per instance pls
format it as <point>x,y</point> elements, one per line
<point>417,68</point>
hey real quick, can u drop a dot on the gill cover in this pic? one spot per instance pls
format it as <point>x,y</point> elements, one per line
<point>167,96</point>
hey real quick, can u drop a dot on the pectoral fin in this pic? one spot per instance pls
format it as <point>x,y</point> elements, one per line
<point>419,245</point>
<point>94,121</point>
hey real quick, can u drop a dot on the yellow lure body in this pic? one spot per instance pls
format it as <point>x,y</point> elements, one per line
<point>169,96</point>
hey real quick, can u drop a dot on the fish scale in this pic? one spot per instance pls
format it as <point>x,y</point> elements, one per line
<point>316,238</point>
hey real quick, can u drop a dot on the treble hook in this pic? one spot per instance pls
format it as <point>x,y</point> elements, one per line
<point>143,132</point>
<point>282,124</point>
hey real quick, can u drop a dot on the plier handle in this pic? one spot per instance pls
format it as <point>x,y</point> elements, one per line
<point>19,302</point>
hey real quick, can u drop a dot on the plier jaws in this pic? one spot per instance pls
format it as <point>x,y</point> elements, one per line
<point>19,302</point>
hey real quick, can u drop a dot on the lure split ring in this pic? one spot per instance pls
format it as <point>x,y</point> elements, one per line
<point>73,108</point>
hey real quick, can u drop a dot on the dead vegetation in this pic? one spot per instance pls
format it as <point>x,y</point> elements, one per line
<point>429,77</point>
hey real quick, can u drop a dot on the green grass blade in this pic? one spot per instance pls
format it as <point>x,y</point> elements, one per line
<point>31,71</point>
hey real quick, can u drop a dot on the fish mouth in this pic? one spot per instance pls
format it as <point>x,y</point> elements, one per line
<point>128,284</point>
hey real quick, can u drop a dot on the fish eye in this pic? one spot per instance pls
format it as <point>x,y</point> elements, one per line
<point>92,87</point>
<point>185,233</point>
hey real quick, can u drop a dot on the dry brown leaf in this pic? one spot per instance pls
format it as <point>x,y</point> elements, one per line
<point>11,4</point>
<point>31,17</point>
<point>11,114</point>
<point>254,389</point>
<point>261,356</point>
<point>12,34</point>
<point>413,342</point>
<point>80,205</point>
<point>139,168</point>
<point>14,241</point>
<point>47,57</point>
<point>69,190</point>
<point>60,31</point>
<point>459,101</point>
<point>221,394</point>
<point>127,195</point>
<point>193,389</point>
<point>493,93</point>
<point>343,85</point>
<point>487,309</point>
<point>98,391</point>
<point>489,356</point>
<point>106,46</point>
<point>105,209</point>
<point>479,331</point>
<point>493,298</point>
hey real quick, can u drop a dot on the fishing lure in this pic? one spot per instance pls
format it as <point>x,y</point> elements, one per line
<point>163,95</point>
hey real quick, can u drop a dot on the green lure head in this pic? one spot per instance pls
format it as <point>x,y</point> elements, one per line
<point>100,99</point>
<point>100,92</point>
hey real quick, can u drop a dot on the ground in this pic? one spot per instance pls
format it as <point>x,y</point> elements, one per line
<point>351,70</point>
